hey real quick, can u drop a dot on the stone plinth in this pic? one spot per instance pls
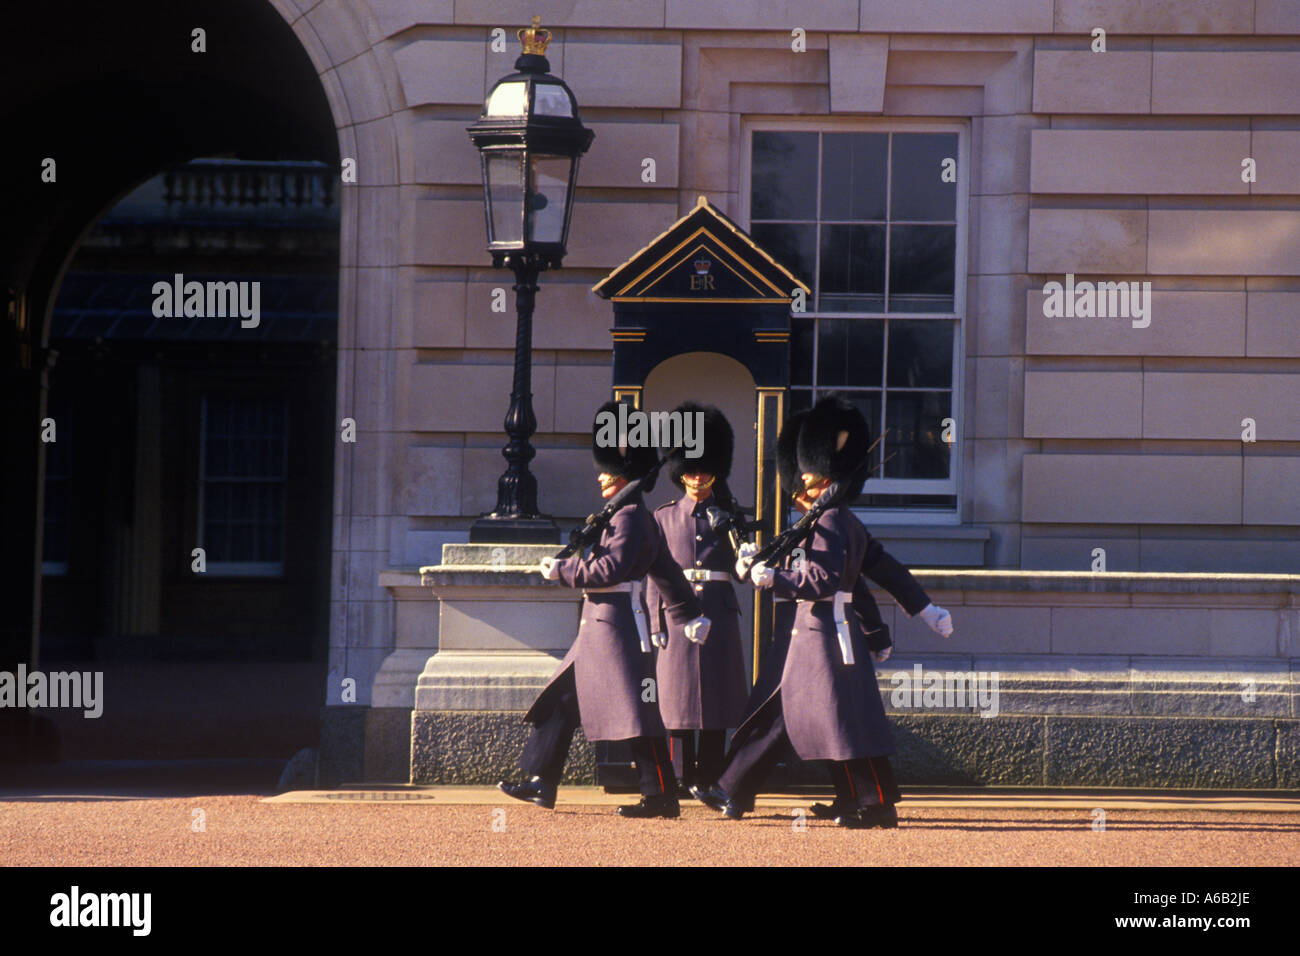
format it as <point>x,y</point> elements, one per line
<point>1107,679</point>
<point>502,631</point>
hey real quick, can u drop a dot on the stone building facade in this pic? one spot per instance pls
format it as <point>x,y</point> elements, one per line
<point>1164,149</point>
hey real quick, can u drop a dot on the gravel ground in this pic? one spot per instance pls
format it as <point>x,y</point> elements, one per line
<point>242,830</point>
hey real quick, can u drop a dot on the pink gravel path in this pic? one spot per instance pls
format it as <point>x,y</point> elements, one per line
<point>243,831</point>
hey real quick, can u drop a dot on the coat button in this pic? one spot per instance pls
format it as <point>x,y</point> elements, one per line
<point>699,564</point>
<point>699,587</point>
<point>794,631</point>
<point>699,537</point>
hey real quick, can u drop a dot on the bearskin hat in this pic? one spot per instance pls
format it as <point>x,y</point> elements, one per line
<point>787,462</point>
<point>833,443</point>
<point>621,461</point>
<point>717,446</point>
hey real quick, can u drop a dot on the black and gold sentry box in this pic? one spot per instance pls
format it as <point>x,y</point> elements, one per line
<point>704,286</point>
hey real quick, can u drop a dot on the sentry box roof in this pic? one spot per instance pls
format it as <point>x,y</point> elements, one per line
<point>702,257</point>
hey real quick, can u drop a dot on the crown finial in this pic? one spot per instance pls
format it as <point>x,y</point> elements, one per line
<point>535,39</point>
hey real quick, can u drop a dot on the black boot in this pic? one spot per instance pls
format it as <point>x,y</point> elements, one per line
<point>653,805</point>
<point>870,818</point>
<point>535,790</point>
<point>829,811</point>
<point>719,799</point>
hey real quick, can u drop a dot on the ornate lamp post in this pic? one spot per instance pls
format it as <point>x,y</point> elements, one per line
<point>530,140</point>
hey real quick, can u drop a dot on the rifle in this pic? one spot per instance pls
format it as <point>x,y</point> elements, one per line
<point>582,538</point>
<point>785,542</point>
<point>728,517</point>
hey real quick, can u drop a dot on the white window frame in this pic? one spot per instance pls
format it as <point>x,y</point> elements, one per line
<point>953,484</point>
<point>242,569</point>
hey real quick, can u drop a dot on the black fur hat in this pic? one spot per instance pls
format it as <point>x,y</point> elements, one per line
<point>833,443</point>
<point>717,447</point>
<point>787,462</point>
<point>620,461</point>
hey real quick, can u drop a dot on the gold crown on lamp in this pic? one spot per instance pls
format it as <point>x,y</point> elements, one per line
<point>535,39</point>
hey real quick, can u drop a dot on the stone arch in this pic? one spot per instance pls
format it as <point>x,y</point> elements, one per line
<point>116,102</point>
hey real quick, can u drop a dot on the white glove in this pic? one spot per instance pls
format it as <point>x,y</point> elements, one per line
<point>745,558</point>
<point>762,575</point>
<point>550,569</point>
<point>881,656</point>
<point>659,639</point>
<point>940,621</point>
<point>697,630</point>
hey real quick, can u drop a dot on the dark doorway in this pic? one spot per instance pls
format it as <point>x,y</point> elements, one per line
<point>177,425</point>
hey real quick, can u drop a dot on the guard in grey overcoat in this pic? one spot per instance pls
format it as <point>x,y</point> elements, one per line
<point>606,680</point>
<point>827,704</point>
<point>879,566</point>
<point>702,686</point>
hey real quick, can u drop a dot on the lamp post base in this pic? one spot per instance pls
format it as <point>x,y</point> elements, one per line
<point>504,529</point>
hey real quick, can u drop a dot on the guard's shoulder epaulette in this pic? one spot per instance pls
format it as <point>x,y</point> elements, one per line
<point>666,505</point>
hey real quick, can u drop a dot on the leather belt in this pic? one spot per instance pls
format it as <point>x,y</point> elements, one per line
<point>695,574</point>
<point>633,590</point>
<point>842,631</point>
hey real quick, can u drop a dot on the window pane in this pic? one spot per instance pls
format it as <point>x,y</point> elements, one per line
<point>549,188</point>
<point>549,99</point>
<point>918,191</point>
<point>794,247</point>
<point>921,264</point>
<point>802,332</point>
<point>506,197</point>
<point>508,99</point>
<point>915,423</point>
<point>852,269</point>
<point>853,175</point>
<point>244,478</point>
<point>784,176</point>
<point>850,352</point>
<point>927,502</point>
<point>920,353</point>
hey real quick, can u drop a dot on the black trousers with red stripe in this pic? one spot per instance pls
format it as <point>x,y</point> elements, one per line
<point>548,748</point>
<point>863,782</point>
<point>697,763</point>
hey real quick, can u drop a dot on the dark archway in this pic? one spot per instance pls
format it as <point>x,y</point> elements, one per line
<point>114,95</point>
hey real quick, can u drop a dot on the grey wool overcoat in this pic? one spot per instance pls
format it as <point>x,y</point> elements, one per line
<point>701,686</point>
<point>832,710</point>
<point>610,669</point>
